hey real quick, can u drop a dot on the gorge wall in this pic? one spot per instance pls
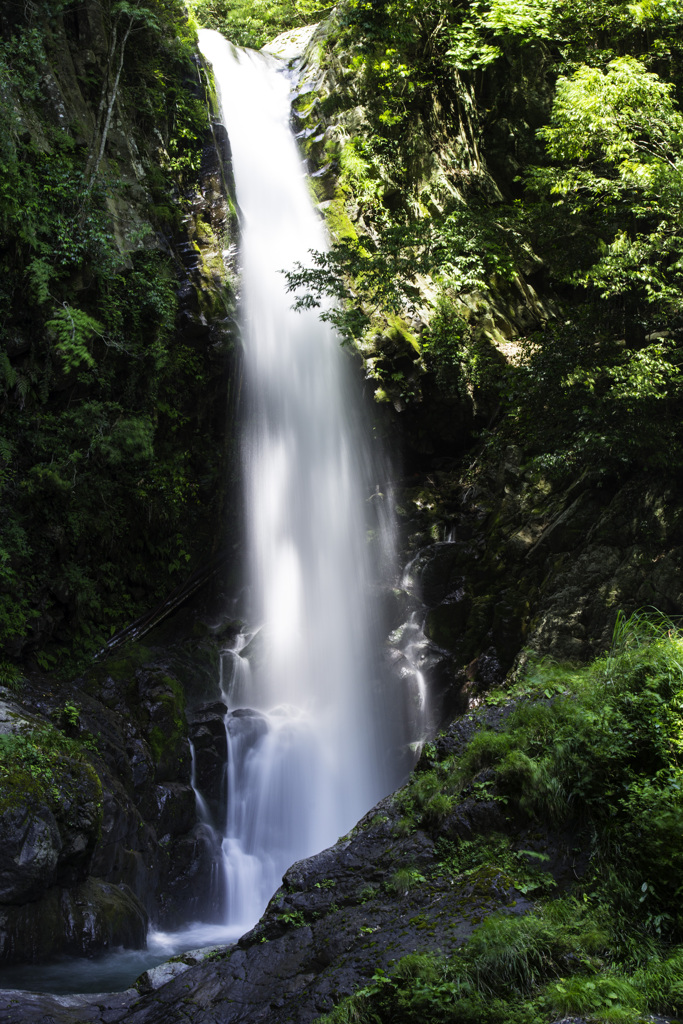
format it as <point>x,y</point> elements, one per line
<point>117,240</point>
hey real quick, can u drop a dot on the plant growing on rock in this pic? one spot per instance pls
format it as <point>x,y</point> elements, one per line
<point>595,751</point>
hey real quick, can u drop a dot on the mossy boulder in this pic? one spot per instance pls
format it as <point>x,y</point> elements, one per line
<point>51,813</point>
<point>79,921</point>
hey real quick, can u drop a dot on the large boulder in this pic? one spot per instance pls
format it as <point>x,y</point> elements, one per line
<point>80,921</point>
<point>50,814</point>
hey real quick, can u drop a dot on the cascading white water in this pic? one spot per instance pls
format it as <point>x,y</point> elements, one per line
<point>309,740</point>
<point>309,758</point>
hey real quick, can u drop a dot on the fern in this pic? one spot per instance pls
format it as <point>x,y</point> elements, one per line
<point>73,329</point>
<point>7,371</point>
<point>5,449</point>
<point>40,273</point>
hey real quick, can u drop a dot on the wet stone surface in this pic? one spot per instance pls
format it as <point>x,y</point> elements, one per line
<point>337,917</point>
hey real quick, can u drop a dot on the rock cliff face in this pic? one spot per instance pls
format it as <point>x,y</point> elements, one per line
<point>382,892</point>
<point>117,236</point>
<point>502,556</point>
<point>99,823</point>
<point>537,568</point>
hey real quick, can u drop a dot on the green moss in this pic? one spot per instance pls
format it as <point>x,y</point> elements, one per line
<point>43,766</point>
<point>159,742</point>
<point>400,330</point>
<point>338,221</point>
<point>170,726</point>
<point>20,787</point>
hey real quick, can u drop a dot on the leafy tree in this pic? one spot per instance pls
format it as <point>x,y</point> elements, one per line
<point>98,393</point>
<point>616,137</point>
<point>253,23</point>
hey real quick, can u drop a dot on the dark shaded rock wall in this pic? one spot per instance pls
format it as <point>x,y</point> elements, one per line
<point>107,837</point>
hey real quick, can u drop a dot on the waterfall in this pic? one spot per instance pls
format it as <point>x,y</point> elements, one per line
<point>307,732</point>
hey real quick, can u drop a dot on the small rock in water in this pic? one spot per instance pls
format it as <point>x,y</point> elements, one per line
<point>155,977</point>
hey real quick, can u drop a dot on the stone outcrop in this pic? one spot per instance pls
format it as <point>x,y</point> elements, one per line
<point>380,893</point>
<point>535,566</point>
<point>101,831</point>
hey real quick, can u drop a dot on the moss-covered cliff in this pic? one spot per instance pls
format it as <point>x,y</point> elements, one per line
<point>118,368</point>
<point>501,186</point>
<point>115,226</point>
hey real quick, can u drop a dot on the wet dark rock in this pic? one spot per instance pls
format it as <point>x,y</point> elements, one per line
<point>247,724</point>
<point>473,817</point>
<point>22,1007</point>
<point>441,574</point>
<point>326,931</point>
<point>163,707</point>
<point>540,568</point>
<point>29,852</point>
<point>170,807</point>
<point>192,883</point>
<point>450,690</point>
<point>446,623</point>
<point>50,817</point>
<point>79,921</point>
<point>453,740</point>
<point>207,732</point>
<point>141,763</point>
<point>374,897</point>
<point>109,820</point>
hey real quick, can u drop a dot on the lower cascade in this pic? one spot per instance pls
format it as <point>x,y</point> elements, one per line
<point>309,725</point>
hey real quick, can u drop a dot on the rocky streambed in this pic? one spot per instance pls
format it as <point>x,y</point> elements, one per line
<point>387,889</point>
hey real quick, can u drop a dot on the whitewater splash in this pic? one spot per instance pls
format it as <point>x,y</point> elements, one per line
<point>308,729</point>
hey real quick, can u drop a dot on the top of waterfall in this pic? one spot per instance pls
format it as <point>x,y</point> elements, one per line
<point>292,44</point>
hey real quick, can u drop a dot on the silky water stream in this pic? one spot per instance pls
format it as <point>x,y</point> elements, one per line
<point>313,731</point>
<point>308,731</point>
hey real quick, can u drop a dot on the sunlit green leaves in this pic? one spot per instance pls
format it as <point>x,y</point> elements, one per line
<point>616,137</point>
<point>255,22</point>
<point>625,115</point>
<point>579,398</point>
<point>462,251</point>
<point>521,17</point>
<point>652,12</point>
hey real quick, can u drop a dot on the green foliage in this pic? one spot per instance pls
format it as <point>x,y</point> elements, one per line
<point>73,329</point>
<point>255,22</point>
<point>508,971</point>
<point>660,981</point>
<point>100,395</point>
<point>295,918</point>
<point>486,749</point>
<point>44,764</point>
<point>71,713</point>
<point>462,362</point>
<point>617,138</point>
<point>599,996</point>
<point>404,879</point>
<point>469,247</point>
<point>584,100</point>
<point>580,397</point>
<point>10,676</point>
<point>468,858</point>
<point>606,754</point>
<point>597,751</point>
